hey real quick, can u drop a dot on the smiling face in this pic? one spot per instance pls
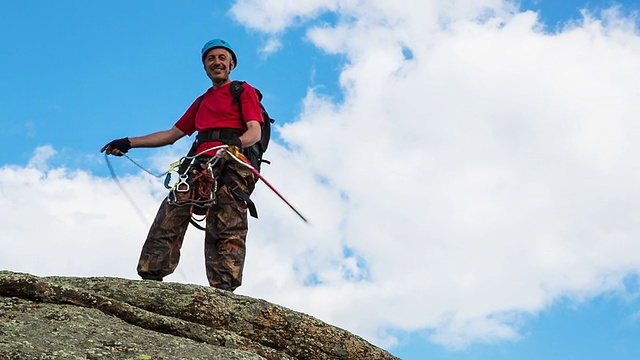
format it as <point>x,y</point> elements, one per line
<point>218,64</point>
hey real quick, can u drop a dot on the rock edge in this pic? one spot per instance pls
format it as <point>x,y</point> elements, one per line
<point>113,318</point>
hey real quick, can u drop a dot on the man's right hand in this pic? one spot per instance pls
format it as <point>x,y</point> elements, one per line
<point>117,147</point>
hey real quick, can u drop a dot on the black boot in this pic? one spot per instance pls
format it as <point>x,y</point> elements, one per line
<point>151,277</point>
<point>225,287</point>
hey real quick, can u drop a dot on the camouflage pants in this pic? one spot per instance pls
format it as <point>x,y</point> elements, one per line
<point>225,234</point>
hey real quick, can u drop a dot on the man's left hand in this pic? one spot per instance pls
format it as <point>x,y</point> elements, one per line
<point>234,141</point>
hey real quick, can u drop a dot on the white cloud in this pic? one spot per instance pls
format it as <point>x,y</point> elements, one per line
<point>492,172</point>
<point>40,157</point>
<point>272,46</point>
<point>274,16</point>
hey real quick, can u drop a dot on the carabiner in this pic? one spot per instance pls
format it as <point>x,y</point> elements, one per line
<point>167,180</point>
<point>172,168</point>
<point>183,181</point>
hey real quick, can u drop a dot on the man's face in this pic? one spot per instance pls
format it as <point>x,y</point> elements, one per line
<point>218,64</point>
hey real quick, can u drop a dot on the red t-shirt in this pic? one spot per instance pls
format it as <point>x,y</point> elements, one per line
<point>217,112</point>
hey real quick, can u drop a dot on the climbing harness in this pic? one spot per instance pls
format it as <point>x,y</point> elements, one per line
<point>197,185</point>
<point>198,181</point>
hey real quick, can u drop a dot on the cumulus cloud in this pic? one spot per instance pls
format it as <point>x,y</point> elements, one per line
<point>275,16</point>
<point>490,172</point>
<point>67,222</point>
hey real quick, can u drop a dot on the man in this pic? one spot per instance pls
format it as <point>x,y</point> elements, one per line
<point>219,121</point>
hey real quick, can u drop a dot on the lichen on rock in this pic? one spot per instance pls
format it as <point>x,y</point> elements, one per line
<point>112,318</point>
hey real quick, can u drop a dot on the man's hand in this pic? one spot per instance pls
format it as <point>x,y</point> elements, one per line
<point>117,147</point>
<point>234,141</point>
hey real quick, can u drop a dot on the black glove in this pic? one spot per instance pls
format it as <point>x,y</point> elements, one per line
<point>234,141</point>
<point>123,145</point>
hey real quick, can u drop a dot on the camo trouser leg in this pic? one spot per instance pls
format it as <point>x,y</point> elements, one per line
<point>161,251</point>
<point>226,231</point>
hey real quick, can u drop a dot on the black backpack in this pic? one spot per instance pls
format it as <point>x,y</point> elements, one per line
<point>254,153</point>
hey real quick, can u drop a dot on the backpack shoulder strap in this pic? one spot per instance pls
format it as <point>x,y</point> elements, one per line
<point>199,101</point>
<point>236,89</point>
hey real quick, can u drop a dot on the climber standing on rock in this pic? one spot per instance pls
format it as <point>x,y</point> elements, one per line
<point>223,121</point>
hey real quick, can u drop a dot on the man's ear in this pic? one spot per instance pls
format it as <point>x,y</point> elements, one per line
<point>232,65</point>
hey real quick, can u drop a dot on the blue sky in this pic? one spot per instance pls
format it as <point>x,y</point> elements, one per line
<point>84,56</point>
<point>475,200</point>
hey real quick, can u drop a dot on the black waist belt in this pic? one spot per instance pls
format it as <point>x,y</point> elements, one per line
<point>207,136</point>
<point>217,134</point>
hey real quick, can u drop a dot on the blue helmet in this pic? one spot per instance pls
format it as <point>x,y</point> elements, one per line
<point>219,43</point>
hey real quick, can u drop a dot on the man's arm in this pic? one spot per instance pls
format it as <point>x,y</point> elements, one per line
<point>161,138</point>
<point>252,135</point>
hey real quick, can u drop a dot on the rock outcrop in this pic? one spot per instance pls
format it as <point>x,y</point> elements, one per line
<point>112,318</point>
